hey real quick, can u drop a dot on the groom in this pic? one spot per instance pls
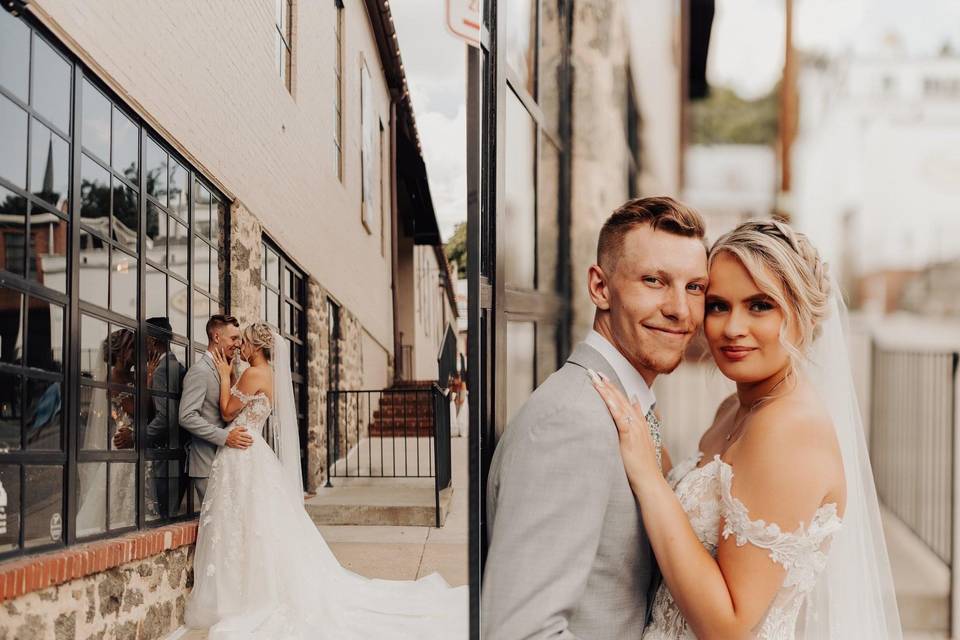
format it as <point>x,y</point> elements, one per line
<point>568,556</point>
<point>200,403</point>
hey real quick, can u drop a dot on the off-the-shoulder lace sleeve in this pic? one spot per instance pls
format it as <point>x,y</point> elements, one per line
<point>235,391</point>
<point>801,552</point>
<point>682,468</point>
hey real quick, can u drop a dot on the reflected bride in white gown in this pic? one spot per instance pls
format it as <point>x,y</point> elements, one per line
<point>262,569</point>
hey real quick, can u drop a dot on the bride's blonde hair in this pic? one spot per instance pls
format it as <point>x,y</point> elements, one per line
<point>786,267</point>
<point>260,336</point>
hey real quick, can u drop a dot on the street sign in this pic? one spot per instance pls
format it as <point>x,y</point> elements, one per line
<point>463,20</point>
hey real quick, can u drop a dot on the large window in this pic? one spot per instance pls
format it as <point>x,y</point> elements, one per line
<point>283,27</point>
<point>338,89</point>
<point>97,271</point>
<point>284,306</point>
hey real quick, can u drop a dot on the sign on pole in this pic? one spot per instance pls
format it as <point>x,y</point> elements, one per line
<point>463,20</point>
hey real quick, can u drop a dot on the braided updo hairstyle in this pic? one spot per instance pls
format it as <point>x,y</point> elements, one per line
<point>786,267</point>
<point>260,336</point>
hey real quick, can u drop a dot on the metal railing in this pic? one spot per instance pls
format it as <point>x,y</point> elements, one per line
<point>913,422</point>
<point>390,433</point>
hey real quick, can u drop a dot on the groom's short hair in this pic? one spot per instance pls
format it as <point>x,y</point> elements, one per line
<point>660,212</point>
<point>219,321</point>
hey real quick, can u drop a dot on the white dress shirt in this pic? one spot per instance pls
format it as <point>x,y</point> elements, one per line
<point>633,383</point>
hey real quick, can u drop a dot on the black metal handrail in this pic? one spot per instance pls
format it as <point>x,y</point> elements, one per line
<point>400,421</point>
<point>912,429</point>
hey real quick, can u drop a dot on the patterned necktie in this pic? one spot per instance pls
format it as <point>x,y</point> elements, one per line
<point>654,423</point>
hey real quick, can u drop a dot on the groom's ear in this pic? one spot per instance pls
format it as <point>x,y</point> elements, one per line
<point>598,286</point>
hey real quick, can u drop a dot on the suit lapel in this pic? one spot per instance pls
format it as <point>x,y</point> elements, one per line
<point>587,357</point>
<point>209,362</point>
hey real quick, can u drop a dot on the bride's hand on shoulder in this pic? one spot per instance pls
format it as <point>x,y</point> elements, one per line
<point>636,446</point>
<point>223,366</point>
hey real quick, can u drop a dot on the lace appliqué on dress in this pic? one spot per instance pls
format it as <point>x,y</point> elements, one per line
<point>705,494</point>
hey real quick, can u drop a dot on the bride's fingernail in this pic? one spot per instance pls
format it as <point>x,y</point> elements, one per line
<point>603,376</point>
<point>594,377</point>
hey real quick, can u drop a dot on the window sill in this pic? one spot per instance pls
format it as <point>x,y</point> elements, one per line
<point>25,575</point>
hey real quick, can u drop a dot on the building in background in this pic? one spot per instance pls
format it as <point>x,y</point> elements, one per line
<point>159,166</point>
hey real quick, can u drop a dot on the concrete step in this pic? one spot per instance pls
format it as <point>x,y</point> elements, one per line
<point>921,579</point>
<point>364,502</point>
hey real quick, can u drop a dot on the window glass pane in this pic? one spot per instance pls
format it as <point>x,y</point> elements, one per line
<point>14,62</point>
<point>94,196</point>
<point>123,283</point>
<point>177,189</point>
<point>272,267</point>
<point>520,20</point>
<point>218,214</point>
<point>10,489</point>
<point>177,242</point>
<point>548,204</point>
<point>125,145</point>
<point>51,85</point>
<point>177,309</point>
<point>96,122</point>
<point>122,345</point>
<point>201,313</point>
<point>215,274</point>
<point>93,340</point>
<point>45,337</point>
<point>92,506</point>
<point>94,269</point>
<point>10,411</point>
<point>44,414</point>
<point>122,422</point>
<point>201,210</point>
<point>126,215</point>
<point>49,166</point>
<point>156,231</point>
<point>520,363</point>
<point>179,353</point>
<point>273,308</point>
<point>48,249</point>
<point>13,152</point>
<point>167,489</point>
<point>156,171</point>
<point>520,249</point>
<point>43,510</point>
<point>94,412</point>
<point>156,293</point>
<point>11,314</point>
<point>201,265</point>
<point>12,226</point>
<point>123,495</point>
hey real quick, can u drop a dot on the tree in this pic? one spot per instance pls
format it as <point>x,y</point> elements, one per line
<point>456,248</point>
<point>726,118</point>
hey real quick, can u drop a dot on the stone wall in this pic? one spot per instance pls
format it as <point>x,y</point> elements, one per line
<point>246,257</point>
<point>318,369</point>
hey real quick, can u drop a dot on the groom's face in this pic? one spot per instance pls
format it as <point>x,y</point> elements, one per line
<point>650,304</point>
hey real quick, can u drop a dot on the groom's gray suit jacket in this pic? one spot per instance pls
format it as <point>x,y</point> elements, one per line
<point>200,415</point>
<point>568,556</point>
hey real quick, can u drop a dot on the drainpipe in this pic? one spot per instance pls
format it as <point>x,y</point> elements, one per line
<point>394,242</point>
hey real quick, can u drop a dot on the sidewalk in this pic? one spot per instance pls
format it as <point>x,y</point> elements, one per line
<point>406,553</point>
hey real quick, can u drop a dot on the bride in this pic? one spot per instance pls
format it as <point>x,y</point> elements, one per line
<point>261,568</point>
<point>772,529</point>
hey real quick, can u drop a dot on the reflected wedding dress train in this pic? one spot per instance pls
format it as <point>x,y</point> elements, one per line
<point>262,569</point>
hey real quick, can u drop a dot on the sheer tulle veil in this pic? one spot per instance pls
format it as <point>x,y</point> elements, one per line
<point>854,597</point>
<point>284,429</point>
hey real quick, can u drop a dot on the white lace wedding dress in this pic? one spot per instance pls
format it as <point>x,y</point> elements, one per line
<point>704,492</point>
<point>262,570</point>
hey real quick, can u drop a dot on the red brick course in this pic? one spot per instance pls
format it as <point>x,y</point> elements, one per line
<point>24,575</point>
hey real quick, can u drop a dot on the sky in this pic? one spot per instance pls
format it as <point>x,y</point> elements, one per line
<point>435,64</point>
<point>746,47</point>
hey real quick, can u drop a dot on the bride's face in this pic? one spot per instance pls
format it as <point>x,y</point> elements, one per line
<point>742,324</point>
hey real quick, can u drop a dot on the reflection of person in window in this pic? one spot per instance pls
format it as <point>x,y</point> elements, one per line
<point>119,351</point>
<point>164,374</point>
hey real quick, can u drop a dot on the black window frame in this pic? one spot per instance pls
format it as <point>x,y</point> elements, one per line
<point>78,236</point>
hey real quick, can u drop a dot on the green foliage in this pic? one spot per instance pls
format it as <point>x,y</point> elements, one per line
<point>726,118</point>
<point>456,248</point>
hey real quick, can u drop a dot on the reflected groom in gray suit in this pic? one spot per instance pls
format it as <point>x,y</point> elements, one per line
<point>568,556</point>
<point>200,404</point>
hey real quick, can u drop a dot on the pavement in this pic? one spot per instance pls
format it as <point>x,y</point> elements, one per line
<point>403,553</point>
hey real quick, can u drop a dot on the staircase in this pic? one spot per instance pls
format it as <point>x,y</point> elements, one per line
<point>404,415</point>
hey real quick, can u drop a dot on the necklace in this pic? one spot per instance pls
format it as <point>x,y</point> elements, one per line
<point>737,426</point>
